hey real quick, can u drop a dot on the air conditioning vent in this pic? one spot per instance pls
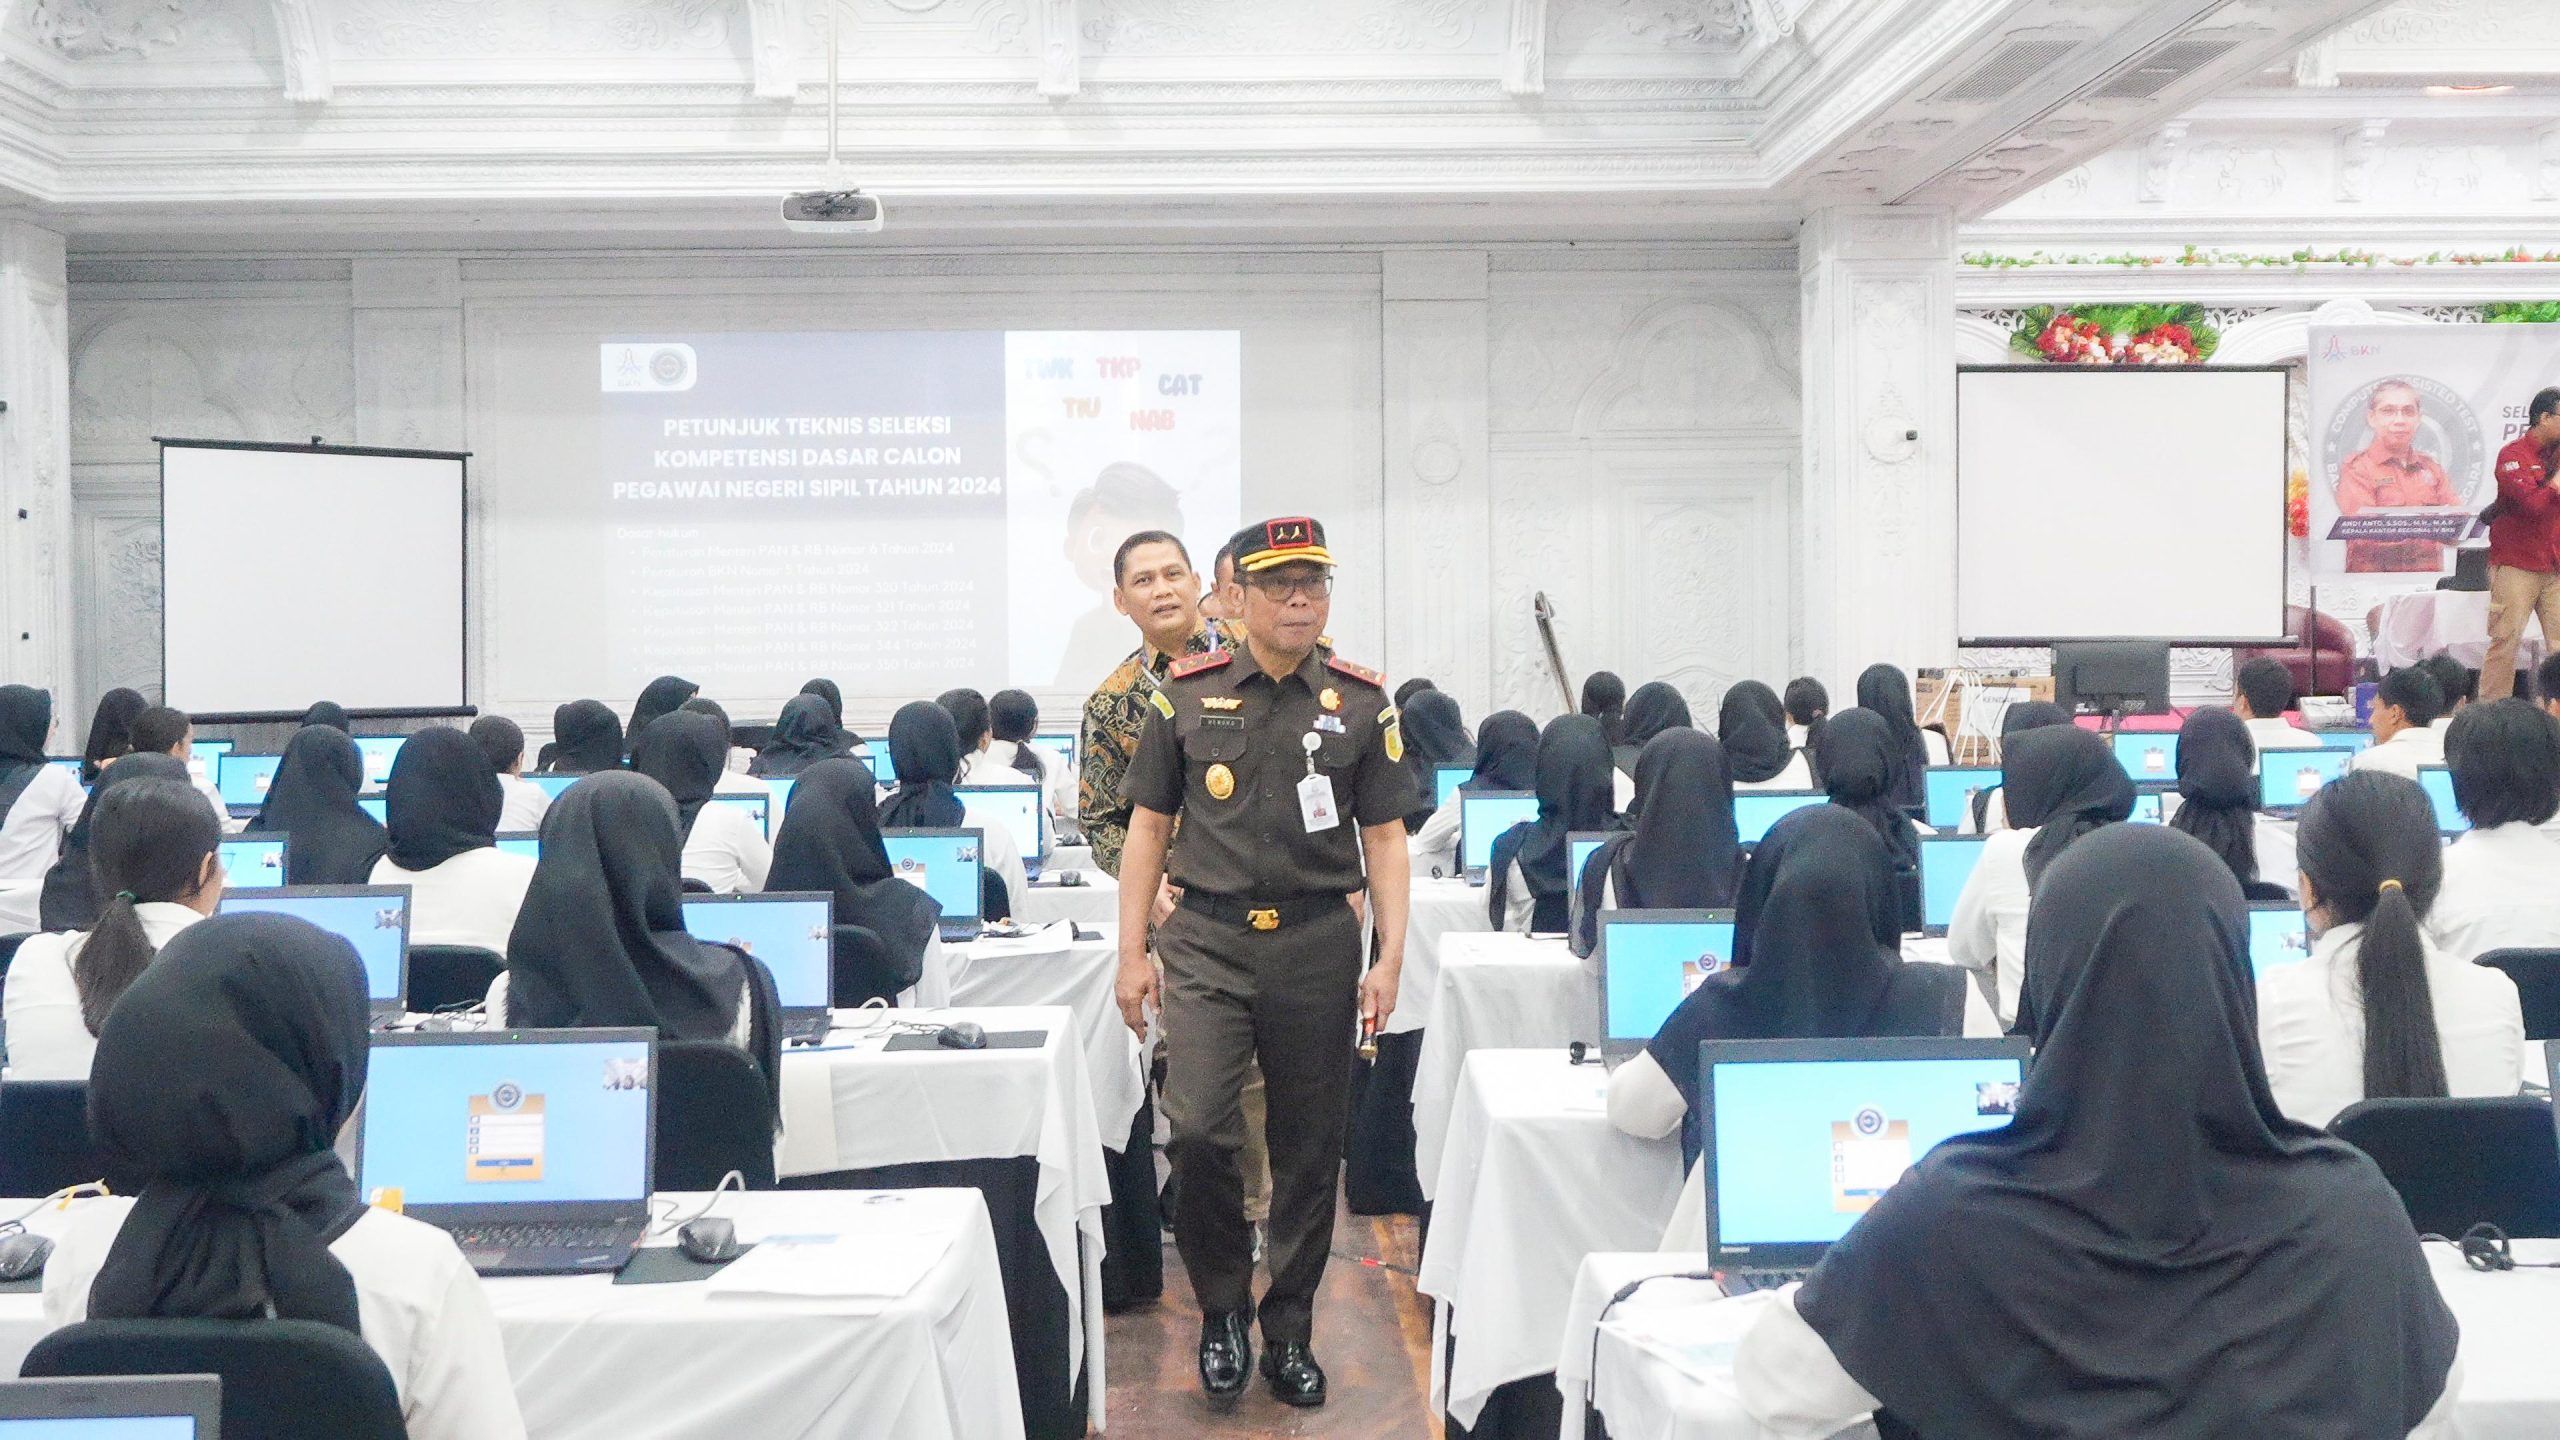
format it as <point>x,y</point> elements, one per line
<point>2004,70</point>
<point>2164,66</point>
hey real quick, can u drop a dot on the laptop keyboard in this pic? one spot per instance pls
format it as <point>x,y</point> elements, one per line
<point>545,1237</point>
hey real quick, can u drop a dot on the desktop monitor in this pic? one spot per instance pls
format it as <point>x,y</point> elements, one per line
<point>2287,779</point>
<point>2147,755</point>
<point>1951,789</point>
<point>1946,864</point>
<point>130,1407</point>
<point>243,779</point>
<point>2437,781</point>
<point>1483,816</point>
<point>1650,960</point>
<point>2123,677</point>
<point>792,932</point>
<point>551,785</point>
<point>379,751</point>
<point>1756,812</point>
<point>1801,1137</point>
<point>2278,936</point>
<point>372,918</point>
<point>253,860</point>
<point>943,864</point>
<point>1445,780</point>
<point>527,843</point>
<point>1016,809</point>
<point>460,1126</point>
<point>759,808</point>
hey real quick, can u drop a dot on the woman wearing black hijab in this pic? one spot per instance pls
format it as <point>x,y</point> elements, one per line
<point>1683,854</point>
<point>1575,792</point>
<point>331,714</point>
<point>71,900</point>
<point>110,731</point>
<point>658,697</point>
<point>39,803</point>
<point>222,1080</point>
<point>1816,955</point>
<point>1752,727</point>
<point>2218,794</point>
<point>444,801</point>
<point>804,734</point>
<point>924,744</point>
<point>1654,708</point>
<point>1860,764</point>
<point>1990,812</point>
<point>831,842</point>
<point>313,800</point>
<point>586,739</point>
<point>2057,783</point>
<point>1435,734</point>
<point>724,851</point>
<point>2149,1247</point>
<point>1506,754</point>
<point>1887,691</point>
<point>828,691</point>
<point>1604,698</point>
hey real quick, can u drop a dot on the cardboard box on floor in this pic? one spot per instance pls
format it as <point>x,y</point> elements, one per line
<point>1943,702</point>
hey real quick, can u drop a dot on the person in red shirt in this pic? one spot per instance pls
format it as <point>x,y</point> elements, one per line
<point>2524,545</point>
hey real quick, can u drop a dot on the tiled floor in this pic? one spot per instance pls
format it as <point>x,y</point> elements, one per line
<point>1373,1335</point>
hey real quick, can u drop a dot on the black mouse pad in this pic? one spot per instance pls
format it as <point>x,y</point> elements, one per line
<point>996,1040</point>
<point>667,1265</point>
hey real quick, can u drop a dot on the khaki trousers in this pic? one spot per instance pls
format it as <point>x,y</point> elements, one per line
<point>2515,594</point>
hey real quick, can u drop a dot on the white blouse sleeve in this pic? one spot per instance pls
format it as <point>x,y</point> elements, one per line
<point>457,1387</point>
<point>1519,907</point>
<point>755,857</point>
<point>1973,931</point>
<point>1642,1100</point>
<point>1435,845</point>
<point>1788,1379</point>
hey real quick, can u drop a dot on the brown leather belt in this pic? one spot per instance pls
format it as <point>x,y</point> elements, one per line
<point>1263,914</point>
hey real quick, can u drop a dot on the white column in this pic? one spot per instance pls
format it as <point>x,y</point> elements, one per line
<point>1879,443</point>
<point>35,466</point>
<point>1437,472</point>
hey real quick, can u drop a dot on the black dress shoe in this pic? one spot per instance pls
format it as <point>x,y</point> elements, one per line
<point>1226,1357</point>
<point>1296,1378</point>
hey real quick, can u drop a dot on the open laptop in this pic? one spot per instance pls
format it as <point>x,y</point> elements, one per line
<point>883,768</point>
<point>243,781</point>
<point>1950,791</point>
<point>372,918</point>
<point>944,864</point>
<point>2150,806</point>
<point>758,807</point>
<point>1483,816</point>
<point>2437,781</point>
<point>527,843</point>
<point>1798,1138</point>
<point>793,932</point>
<point>2287,779</point>
<point>132,1407</point>
<point>377,806</point>
<point>1579,847</point>
<point>2147,755</point>
<point>2348,740</point>
<point>780,785</point>
<point>1946,864</point>
<point>1058,747</point>
<point>1756,812</point>
<point>253,860</point>
<point>2278,936</point>
<point>532,1147</point>
<point>1649,962</point>
<point>552,785</point>
<point>1018,810</point>
<point>203,754</point>
<point>379,751</point>
<point>1445,780</point>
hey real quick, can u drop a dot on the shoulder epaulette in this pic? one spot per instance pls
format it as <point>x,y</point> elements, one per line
<point>1200,664</point>
<point>1361,673</point>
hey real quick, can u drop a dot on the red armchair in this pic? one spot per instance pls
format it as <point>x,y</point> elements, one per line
<point>2337,653</point>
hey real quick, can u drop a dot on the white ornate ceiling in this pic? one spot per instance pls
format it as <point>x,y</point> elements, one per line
<point>152,122</point>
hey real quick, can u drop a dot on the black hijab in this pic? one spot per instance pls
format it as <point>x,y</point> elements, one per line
<point>443,799</point>
<point>586,738</point>
<point>2150,1247</point>
<point>831,841</point>
<point>329,713</point>
<point>1861,760</point>
<point>1752,726</point>
<point>1435,734</point>
<point>1684,853</point>
<point>804,734</point>
<point>1506,753</point>
<point>1654,708</point>
<point>600,940</point>
<point>26,722</point>
<point>2218,789</point>
<point>2061,782</point>
<point>313,799</point>
<point>1604,698</point>
<point>826,690</point>
<point>658,697</point>
<point>69,900</point>
<point>222,1077</point>
<point>685,751</point>
<point>2031,715</point>
<point>1887,691</point>
<point>925,747</point>
<point>1575,792</point>
<point>110,731</point>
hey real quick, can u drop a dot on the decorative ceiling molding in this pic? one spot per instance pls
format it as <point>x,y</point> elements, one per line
<point>302,32</point>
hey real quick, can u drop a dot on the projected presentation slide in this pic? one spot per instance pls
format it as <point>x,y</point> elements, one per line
<point>376,925</point>
<point>942,865</point>
<point>1652,966</point>
<point>794,935</point>
<point>903,506</point>
<point>482,1124</point>
<point>1805,1147</point>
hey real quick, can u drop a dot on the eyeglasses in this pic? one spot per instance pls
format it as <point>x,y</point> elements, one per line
<point>1281,587</point>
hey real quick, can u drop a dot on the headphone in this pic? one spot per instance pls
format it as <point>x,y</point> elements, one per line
<point>2485,1248</point>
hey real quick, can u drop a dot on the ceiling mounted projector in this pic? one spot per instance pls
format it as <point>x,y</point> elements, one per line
<point>834,212</point>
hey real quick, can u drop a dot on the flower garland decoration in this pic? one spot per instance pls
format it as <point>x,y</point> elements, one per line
<point>2115,335</point>
<point>2303,259</point>
<point>2297,505</point>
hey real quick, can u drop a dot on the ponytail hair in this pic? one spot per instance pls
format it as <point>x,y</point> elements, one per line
<point>1013,715</point>
<point>147,842</point>
<point>2368,842</point>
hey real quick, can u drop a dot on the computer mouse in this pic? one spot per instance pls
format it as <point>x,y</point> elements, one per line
<point>708,1241</point>
<point>1069,879</point>
<point>962,1035</point>
<point>22,1255</point>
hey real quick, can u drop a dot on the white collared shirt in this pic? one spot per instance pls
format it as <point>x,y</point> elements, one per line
<point>1798,775</point>
<point>2311,1027</point>
<point>2501,890</point>
<point>726,850</point>
<point>31,839</point>
<point>2403,753</point>
<point>470,899</point>
<point>47,1038</point>
<point>2277,733</point>
<point>524,803</point>
<point>1989,929</point>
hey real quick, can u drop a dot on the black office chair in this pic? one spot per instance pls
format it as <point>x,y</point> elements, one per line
<point>44,1137</point>
<point>281,1379</point>
<point>2457,1163</point>
<point>2537,977</point>
<point>691,886</point>
<point>444,976</point>
<point>863,970</point>
<point>995,902</point>
<point>715,1115</point>
<point>9,947</point>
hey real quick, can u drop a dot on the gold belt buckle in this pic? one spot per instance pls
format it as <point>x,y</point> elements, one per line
<point>1262,919</point>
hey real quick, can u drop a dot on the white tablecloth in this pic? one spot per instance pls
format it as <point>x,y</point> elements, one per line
<point>1493,991</point>
<point>1534,1179</point>
<point>851,1105</point>
<point>1095,902</point>
<point>2453,622</point>
<point>592,1360</point>
<point>1438,909</point>
<point>1052,968</point>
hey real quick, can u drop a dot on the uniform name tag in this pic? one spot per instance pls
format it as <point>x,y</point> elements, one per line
<point>1221,722</point>
<point>1315,804</point>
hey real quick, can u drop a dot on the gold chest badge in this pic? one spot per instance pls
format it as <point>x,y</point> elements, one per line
<point>1221,782</point>
<point>1331,699</point>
